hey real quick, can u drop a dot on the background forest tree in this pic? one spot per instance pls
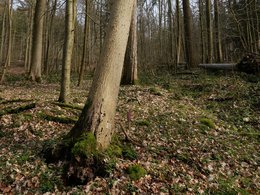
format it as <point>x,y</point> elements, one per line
<point>222,31</point>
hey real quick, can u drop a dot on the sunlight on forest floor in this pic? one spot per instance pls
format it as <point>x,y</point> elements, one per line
<point>199,133</point>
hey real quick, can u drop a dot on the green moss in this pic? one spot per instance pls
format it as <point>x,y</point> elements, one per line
<point>207,122</point>
<point>114,150</point>
<point>143,123</point>
<point>135,172</point>
<point>86,146</point>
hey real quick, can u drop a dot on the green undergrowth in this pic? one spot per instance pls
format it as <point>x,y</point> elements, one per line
<point>136,171</point>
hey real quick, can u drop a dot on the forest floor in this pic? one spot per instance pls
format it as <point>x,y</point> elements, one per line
<point>198,134</point>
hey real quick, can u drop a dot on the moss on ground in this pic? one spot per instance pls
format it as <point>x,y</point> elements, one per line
<point>136,171</point>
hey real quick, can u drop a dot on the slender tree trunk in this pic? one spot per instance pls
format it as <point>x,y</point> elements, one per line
<point>99,112</point>
<point>209,31</point>
<point>202,43</point>
<point>28,49</point>
<point>49,35</point>
<point>217,32</point>
<point>188,33</point>
<point>178,32</point>
<point>85,45</point>
<point>9,45</point>
<point>37,46</point>
<point>68,49</point>
<point>170,31</point>
<point>129,76</point>
<point>160,30</point>
<point>3,34</point>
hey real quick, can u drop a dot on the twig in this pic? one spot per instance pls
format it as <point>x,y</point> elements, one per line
<point>127,137</point>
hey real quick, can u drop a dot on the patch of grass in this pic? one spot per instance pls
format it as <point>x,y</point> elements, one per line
<point>226,187</point>
<point>129,153</point>
<point>23,158</point>
<point>47,183</point>
<point>135,172</point>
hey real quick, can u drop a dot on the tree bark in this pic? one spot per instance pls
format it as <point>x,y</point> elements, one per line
<point>49,35</point>
<point>188,33</point>
<point>129,76</point>
<point>68,49</point>
<point>178,32</point>
<point>99,111</point>
<point>85,44</point>
<point>209,31</point>
<point>37,40</point>
<point>217,32</point>
<point>9,34</point>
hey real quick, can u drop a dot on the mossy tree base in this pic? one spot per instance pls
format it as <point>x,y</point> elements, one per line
<point>81,160</point>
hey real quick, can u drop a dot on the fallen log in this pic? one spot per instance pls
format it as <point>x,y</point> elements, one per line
<point>17,110</point>
<point>249,64</point>
<point>225,66</point>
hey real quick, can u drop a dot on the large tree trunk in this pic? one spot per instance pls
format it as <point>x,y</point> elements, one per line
<point>36,55</point>
<point>129,76</point>
<point>99,111</point>
<point>188,32</point>
<point>68,49</point>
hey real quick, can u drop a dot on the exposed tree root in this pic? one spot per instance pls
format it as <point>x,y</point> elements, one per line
<point>17,110</point>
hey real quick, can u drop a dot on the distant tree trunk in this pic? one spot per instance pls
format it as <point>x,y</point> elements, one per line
<point>178,32</point>
<point>188,33</point>
<point>129,76</point>
<point>160,29</point>
<point>49,35</point>
<point>28,49</point>
<point>202,30</point>
<point>3,34</point>
<point>85,45</point>
<point>170,31</point>
<point>9,33</point>
<point>209,31</point>
<point>217,32</point>
<point>68,49</point>
<point>36,55</point>
<point>99,111</point>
